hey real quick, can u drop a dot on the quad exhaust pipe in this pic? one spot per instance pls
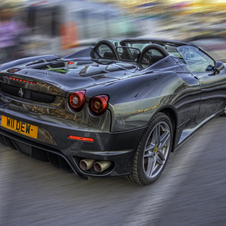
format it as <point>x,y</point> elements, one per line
<point>99,166</point>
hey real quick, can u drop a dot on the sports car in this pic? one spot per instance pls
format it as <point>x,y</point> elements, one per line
<point>117,108</point>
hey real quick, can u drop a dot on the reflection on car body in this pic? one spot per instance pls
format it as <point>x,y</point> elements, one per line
<point>117,108</point>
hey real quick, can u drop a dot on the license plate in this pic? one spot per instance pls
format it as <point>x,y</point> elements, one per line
<point>19,127</point>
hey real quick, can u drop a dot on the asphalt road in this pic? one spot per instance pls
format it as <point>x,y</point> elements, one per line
<point>191,191</point>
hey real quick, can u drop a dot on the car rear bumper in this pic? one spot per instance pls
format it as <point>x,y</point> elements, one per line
<point>118,148</point>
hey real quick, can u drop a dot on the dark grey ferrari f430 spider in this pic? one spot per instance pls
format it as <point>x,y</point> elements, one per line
<point>117,108</point>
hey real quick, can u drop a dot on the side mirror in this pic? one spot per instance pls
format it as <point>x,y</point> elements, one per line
<point>218,67</point>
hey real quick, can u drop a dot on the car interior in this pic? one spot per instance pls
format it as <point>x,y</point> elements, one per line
<point>148,55</point>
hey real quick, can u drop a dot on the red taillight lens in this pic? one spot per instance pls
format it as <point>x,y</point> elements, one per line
<point>99,104</point>
<point>77,100</point>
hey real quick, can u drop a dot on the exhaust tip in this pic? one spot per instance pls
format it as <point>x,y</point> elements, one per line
<point>97,167</point>
<point>86,164</point>
<point>101,166</point>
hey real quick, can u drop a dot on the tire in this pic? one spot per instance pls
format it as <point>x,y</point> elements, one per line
<point>153,151</point>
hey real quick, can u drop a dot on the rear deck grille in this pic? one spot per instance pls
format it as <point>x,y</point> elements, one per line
<point>27,94</point>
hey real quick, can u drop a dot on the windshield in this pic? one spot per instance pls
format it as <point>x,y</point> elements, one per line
<point>196,60</point>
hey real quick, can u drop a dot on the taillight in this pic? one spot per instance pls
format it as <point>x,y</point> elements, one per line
<point>77,100</point>
<point>99,104</point>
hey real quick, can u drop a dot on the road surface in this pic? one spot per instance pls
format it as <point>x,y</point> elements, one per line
<point>191,191</point>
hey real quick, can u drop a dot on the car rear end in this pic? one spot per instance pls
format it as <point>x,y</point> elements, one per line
<point>43,117</point>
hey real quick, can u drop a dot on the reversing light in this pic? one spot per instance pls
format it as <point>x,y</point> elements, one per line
<point>99,104</point>
<point>77,100</point>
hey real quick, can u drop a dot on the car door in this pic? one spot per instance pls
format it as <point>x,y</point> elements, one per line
<point>213,85</point>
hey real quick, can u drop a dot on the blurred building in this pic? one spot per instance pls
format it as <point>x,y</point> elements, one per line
<point>57,25</point>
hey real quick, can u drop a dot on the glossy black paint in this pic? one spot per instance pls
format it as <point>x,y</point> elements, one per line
<point>136,93</point>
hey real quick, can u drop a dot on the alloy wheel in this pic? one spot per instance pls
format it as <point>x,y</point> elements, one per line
<point>156,150</point>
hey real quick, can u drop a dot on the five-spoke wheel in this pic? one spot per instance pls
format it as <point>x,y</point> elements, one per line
<point>153,151</point>
<point>156,149</point>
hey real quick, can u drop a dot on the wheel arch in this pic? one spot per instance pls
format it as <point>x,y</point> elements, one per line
<point>172,114</point>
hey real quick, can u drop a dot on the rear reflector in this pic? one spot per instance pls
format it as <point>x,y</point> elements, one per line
<point>81,138</point>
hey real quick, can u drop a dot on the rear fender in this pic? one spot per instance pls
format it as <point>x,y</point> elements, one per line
<point>133,101</point>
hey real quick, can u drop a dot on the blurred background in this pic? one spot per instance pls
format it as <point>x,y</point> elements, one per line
<point>36,27</point>
<point>191,191</point>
